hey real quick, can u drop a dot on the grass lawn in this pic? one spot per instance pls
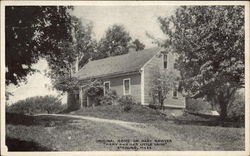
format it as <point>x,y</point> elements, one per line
<point>69,134</point>
<point>50,133</point>
<point>206,137</point>
<point>136,114</point>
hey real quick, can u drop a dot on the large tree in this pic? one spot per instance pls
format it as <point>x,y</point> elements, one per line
<point>115,42</point>
<point>74,54</point>
<point>33,32</point>
<point>210,43</point>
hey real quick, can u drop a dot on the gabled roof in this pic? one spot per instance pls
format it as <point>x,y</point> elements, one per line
<point>131,62</point>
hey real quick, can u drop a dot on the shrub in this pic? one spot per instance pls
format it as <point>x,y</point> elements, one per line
<point>37,104</point>
<point>109,98</point>
<point>197,105</point>
<point>152,106</point>
<point>127,108</point>
<point>127,102</point>
<point>94,90</point>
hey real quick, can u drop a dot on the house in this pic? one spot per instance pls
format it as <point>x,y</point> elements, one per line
<point>130,74</point>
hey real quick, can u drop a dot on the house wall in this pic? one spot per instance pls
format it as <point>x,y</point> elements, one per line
<point>150,68</point>
<point>116,83</point>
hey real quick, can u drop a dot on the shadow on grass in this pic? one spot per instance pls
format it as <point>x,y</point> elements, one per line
<point>21,145</point>
<point>29,120</point>
<point>199,119</point>
<point>20,119</point>
<point>207,121</point>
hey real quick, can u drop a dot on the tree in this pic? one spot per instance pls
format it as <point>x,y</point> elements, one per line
<point>33,32</point>
<point>74,54</point>
<point>84,43</point>
<point>115,42</point>
<point>138,44</point>
<point>37,104</point>
<point>94,90</point>
<point>210,43</point>
<point>162,83</point>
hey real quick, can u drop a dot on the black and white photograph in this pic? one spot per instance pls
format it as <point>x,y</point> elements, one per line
<point>129,76</point>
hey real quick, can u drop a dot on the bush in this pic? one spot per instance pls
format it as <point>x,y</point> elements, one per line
<point>127,102</point>
<point>127,108</point>
<point>109,98</point>
<point>152,106</point>
<point>197,105</point>
<point>37,104</point>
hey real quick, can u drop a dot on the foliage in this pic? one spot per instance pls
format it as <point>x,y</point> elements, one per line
<point>210,43</point>
<point>127,101</point>
<point>65,83</point>
<point>74,55</point>
<point>115,42</point>
<point>31,32</point>
<point>237,107</point>
<point>52,33</point>
<point>138,44</point>
<point>7,95</point>
<point>152,106</point>
<point>84,44</point>
<point>37,104</point>
<point>93,87</point>
<point>109,98</point>
<point>162,83</point>
<point>197,105</point>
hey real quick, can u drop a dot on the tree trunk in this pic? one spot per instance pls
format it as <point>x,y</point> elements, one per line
<point>212,103</point>
<point>224,98</point>
<point>223,111</point>
<point>161,104</point>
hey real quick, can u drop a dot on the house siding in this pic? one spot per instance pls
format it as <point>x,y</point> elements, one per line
<point>116,83</point>
<point>156,63</point>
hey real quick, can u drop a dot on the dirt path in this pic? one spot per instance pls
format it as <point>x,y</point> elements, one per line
<point>139,127</point>
<point>145,129</point>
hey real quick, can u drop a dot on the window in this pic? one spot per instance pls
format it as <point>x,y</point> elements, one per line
<point>175,93</point>
<point>165,61</point>
<point>106,86</point>
<point>126,86</point>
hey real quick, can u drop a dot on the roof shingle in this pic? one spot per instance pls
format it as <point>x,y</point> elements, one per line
<point>130,62</point>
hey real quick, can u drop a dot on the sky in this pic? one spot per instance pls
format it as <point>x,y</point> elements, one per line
<point>137,20</point>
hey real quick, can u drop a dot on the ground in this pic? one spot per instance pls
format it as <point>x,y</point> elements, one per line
<point>110,128</point>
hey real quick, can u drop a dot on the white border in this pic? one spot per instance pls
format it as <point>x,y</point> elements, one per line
<point>118,3</point>
<point>121,3</point>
